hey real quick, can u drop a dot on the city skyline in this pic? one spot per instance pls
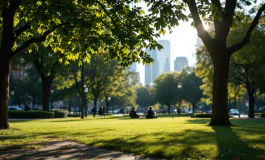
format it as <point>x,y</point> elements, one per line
<point>161,62</point>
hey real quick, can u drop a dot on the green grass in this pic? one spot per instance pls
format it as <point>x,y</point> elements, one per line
<point>166,137</point>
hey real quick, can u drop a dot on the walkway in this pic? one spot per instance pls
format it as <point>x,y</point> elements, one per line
<point>62,150</point>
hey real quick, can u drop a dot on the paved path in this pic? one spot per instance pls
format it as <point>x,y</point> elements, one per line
<point>66,150</point>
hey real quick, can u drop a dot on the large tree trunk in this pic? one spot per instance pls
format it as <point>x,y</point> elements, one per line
<point>46,87</point>
<point>251,113</point>
<point>5,64</point>
<point>221,61</point>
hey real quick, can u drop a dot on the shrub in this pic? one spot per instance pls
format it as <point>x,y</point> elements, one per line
<point>202,115</point>
<point>30,114</point>
<point>262,115</point>
<point>73,115</point>
<point>60,113</point>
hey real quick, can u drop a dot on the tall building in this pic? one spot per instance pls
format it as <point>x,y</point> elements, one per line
<point>161,62</point>
<point>133,68</point>
<point>180,63</point>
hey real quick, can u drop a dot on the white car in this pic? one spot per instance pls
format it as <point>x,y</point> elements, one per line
<point>14,108</point>
<point>234,112</point>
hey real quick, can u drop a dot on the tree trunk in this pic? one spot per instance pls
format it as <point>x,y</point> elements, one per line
<point>5,64</point>
<point>168,109</point>
<point>251,113</point>
<point>46,87</point>
<point>107,104</point>
<point>95,101</point>
<point>221,69</point>
<point>193,107</point>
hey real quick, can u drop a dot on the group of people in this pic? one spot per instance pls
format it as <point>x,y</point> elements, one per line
<point>150,113</point>
<point>101,111</point>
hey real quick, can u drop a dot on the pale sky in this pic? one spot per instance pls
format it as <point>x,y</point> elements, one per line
<point>182,43</point>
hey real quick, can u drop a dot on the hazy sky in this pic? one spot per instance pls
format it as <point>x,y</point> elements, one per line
<point>182,43</point>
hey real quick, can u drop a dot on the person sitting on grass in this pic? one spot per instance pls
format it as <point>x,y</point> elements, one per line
<point>133,113</point>
<point>151,113</point>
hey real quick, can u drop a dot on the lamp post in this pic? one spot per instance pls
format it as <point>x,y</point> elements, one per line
<point>12,98</point>
<point>179,88</point>
<point>30,100</point>
<point>107,103</point>
<point>51,99</point>
<point>86,91</point>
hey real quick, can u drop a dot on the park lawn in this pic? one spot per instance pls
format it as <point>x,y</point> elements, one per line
<point>167,137</point>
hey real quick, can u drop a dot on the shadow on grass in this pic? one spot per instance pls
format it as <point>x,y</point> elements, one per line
<point>230,146</point>
<point>198,121</point>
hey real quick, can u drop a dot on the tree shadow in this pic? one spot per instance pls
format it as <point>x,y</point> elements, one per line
<point>230,146</point>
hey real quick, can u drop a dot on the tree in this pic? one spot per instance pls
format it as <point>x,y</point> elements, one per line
<point>191,87</point>
<point>144,97</point>
<point>25,22</point>
<point>165,89</point>
<point>245,66</point>
<point>47,65</point>
<point>222,15</point>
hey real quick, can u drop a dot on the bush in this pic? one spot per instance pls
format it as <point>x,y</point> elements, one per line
<point>30,114</point>
<point>60,113</point>
<point>202,115</point>
<point>73,115</point>
<point>262,115</point>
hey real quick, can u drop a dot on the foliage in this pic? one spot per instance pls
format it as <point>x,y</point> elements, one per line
<point>165,137</point>
<point>60,113</point>
<point>29,86</point>
<point>30,114</point>
<point>165,89</point>
<point>191,86</point>
<point>144,96</point>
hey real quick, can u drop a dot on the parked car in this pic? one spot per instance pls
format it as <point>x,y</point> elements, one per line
<point>14,108</point>
<point>234,112</point>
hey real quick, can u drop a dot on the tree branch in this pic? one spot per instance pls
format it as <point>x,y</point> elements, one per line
<point>202,33</point>
<point>53,70</point>
<point>102,6</point>
<point>228,16</point>
<point>22,29</point>
<point>34,40</point>
<point>246,39</point>
<point>8,13</point>
<point>77,84</point>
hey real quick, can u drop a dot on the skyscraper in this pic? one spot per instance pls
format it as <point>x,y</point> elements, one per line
<point>133,68</point>
<point>161,62</point>
<point>180,63</point>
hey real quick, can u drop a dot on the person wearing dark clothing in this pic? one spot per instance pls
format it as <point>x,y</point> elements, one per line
<point>94,111</point>
<point>151,113</point>
<point>133,113</point>
<point>104,111</point>
<point>100,111</point>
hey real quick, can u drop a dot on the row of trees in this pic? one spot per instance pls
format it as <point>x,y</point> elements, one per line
<point>74,28</point>
<point>246,72</point>
<point>101,79</point>
<point>170,89</point>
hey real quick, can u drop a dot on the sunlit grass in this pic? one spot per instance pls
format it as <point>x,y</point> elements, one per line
<point>168,137</point>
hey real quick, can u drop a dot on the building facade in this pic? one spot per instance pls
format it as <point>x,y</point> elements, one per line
<point>161,62</point>
<point>180,63</point>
